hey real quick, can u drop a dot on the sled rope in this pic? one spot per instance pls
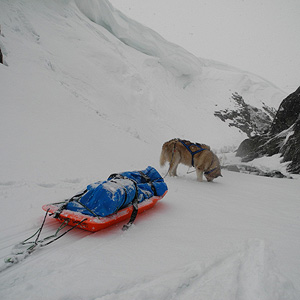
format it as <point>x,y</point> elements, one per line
<point>22,254</point>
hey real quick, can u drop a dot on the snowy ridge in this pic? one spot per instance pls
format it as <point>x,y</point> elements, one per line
<point>171,56</point>
<point>174,58</point>
<point>79,103</point>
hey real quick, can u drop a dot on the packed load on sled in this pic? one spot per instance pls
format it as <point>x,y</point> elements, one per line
<point>118,198</point>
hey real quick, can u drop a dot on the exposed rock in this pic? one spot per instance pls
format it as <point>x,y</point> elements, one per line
<point>247,118</point>
<point>254,171</point>
<point>249,148</point>
<point>283,136</point>
<point>291,149</point>
<point>1,55</point>
<point>287,114</point>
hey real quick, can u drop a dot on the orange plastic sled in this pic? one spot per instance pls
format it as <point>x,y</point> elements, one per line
<point>98,223</point>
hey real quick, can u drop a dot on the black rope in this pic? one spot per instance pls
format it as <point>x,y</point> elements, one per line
<point>40,230</point>
<point>37,232</point>
<point>58,237</point>
<point>39,242</point>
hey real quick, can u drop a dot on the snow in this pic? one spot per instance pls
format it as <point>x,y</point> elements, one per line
<point>80,102</point>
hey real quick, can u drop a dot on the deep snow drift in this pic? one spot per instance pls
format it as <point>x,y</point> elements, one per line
<point>86,92</point>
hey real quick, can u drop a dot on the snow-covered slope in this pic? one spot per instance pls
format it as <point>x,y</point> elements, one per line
<point>64,70</point>
<point>86,92</point>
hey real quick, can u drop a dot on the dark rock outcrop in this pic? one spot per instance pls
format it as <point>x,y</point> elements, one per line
<point>287,114</point>
<point>283,136</point>
<point>246,117</point>
<point>254,171</point>
<point>1,56</point>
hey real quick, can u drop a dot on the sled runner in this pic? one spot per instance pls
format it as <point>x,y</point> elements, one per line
<point>120,197</point>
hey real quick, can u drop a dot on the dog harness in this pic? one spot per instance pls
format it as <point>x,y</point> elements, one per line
<point>188,145</point>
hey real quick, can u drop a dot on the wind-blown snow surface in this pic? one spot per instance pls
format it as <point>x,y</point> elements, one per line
<point>81,100</point>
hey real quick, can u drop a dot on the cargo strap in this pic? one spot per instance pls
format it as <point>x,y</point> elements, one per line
<point>149,181</point>
<point>76,198</point>
<point>134,213</point>
<point>134,202</point>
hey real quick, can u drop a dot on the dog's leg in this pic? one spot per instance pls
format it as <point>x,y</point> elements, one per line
<point>199,174</point>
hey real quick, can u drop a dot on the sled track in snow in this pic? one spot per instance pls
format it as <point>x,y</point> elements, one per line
<point>245,274</point>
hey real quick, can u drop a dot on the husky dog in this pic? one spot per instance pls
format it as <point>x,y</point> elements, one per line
<point>200,156</point>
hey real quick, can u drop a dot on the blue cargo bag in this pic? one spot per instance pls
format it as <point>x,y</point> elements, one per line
<point>104,198</point>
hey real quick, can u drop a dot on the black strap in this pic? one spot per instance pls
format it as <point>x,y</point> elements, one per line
<point>133,214</point>
<point>134,202</point>
<point>65,203</point>
<point>148,180</point>
<point>135,207</point>
<point>116,176</point>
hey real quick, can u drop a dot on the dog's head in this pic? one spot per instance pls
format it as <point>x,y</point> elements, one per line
<point>215,170</point>
<point>210,176</point>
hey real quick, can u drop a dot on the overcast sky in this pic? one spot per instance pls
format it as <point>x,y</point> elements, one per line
<point>259,36</point>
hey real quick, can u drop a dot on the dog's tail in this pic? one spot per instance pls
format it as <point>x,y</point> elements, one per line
<point>163,159</point>
<point>167,151</point>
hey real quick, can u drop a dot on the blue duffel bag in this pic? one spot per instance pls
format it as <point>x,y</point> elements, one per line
<point>104,198</point>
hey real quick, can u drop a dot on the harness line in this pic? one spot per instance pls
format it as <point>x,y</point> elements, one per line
<point>22,254</point>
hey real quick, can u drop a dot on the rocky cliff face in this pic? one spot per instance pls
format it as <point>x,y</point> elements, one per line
<point>282,137</point>
<point>246,117</point>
